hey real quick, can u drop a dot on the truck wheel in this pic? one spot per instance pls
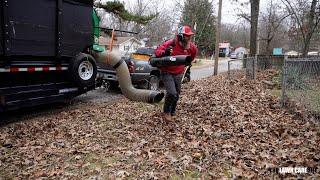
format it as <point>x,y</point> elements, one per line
<point>83,70</point>
<point>153,83</point>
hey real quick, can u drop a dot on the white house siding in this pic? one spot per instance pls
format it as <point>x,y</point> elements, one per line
<point>240,52</point>
<point>128,47</point>
<point>125,45</point>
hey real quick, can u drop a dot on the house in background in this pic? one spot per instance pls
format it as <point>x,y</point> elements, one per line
<point>125,45</point>
<point>224,49</point>
<point>144,42</point>
<point>241,52</point>
<point>292,53</point>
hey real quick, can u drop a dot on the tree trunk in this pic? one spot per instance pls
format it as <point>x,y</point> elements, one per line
<point>215,72</point>
<point>254,26</point>
<point>310,29</point>
<point>268,51</point>
<point>306,46</point>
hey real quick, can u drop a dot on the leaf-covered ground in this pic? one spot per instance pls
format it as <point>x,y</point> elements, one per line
<point>223,129</point>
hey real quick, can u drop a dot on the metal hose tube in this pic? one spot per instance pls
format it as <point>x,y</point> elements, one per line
<point>123,75</point>
<point>170,61</point>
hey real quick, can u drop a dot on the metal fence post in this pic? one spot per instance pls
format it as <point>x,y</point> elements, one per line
<point>229,70</point>
<point>247,68</point>
<point>283,83</point>
<point>255,61</point>
<point>244,63</point>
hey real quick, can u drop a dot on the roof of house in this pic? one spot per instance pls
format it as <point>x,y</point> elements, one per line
<point>117,41</point>
<point>241,49</point>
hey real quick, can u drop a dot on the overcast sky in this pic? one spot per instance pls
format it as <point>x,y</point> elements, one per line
<point>230,9</point>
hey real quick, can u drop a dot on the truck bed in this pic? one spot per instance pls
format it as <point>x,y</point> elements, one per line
<point>38,41</point>
<point>45,27</point>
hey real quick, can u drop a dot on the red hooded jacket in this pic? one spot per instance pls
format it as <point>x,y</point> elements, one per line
<point>177,50</point>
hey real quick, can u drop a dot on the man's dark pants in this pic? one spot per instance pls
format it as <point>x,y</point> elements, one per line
<point>172,84</point>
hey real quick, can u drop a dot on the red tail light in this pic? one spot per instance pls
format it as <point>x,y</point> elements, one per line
<point>131,67</point>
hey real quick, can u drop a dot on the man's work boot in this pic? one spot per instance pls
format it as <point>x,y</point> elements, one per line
<point>174,106</point>
<point>166,117</point>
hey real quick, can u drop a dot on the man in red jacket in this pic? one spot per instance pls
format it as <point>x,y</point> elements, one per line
<point>172,75</point>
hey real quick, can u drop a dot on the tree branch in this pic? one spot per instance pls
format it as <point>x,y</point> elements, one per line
<point>293,12</point>
<point>245,16</point>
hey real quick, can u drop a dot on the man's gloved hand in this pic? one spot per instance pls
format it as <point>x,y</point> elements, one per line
<point>168,51</point>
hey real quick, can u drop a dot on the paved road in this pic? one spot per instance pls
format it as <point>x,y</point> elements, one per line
<point>208,71</point>
<point>101,95</point>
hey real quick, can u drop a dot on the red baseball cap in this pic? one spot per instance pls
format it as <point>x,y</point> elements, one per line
<point>186,30</point>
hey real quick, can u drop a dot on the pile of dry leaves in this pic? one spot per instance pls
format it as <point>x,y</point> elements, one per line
<point>223,129</point>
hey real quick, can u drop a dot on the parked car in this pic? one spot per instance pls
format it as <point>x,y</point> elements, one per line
<point>143,75</point>
<point>292,53</point>
<point>313,53</point>
<point>233,55</point>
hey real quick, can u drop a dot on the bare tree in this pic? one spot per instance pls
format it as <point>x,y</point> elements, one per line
<point>140,7</point>
<point>306,19</point>
<point>253,20</point>
<point>161,27</point>
<point>158,30</point>
<point>237,34</point>
<point>271,23</point>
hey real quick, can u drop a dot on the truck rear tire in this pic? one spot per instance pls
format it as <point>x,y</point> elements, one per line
<point>83,70</point>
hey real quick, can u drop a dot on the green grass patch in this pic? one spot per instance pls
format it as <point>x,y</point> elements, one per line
<point>187,174</point>
<point>277,79</point>
<point>191,174</point>
<point>309,98</point>
<point>159,104</point>
<point>143,106</point>
<point>276,92</point>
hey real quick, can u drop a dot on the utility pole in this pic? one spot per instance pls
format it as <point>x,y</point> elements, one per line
<point>218,30</point>
<point>195,29</point>
<point>254,26</point>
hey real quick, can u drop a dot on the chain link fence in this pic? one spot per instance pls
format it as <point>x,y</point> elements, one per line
<point>298,77</point>
<point>269,61</point>
<point>248,63</point>
<point>234,66</point>
<point>301,84</point>
<point>251,67</point>
<point>262,62</point>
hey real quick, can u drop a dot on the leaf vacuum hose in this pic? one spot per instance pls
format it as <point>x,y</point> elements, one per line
<point>123,75</point>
